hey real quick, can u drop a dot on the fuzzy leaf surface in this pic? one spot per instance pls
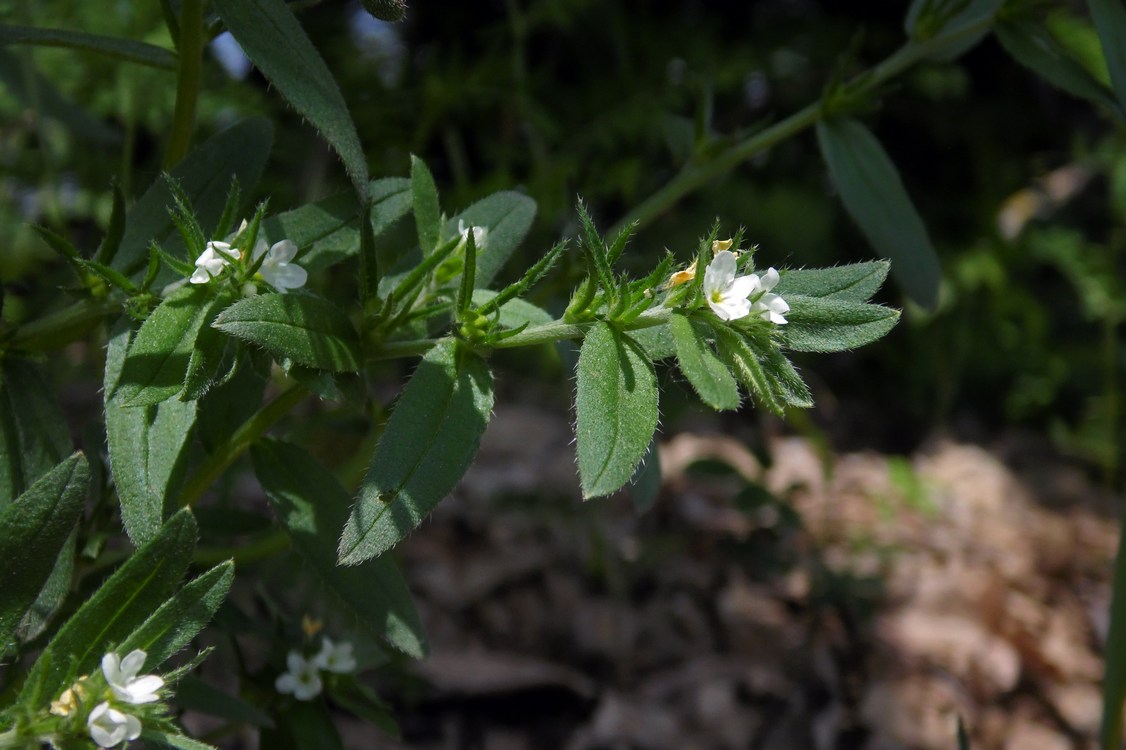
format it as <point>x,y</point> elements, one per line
<point>824,324</point>
<point>313,507</point>
<point>273,39</point>
<point>429,442</point>
<point>856,282</point>
<point>424,201</point>
<point>615,407</point>
<point>33,531</point>
<point>309,330</point>
<point>147,449</point>
<point>874,196</point>
<point>33,434</point>
<point>708,375</point>
<point>135,590</point>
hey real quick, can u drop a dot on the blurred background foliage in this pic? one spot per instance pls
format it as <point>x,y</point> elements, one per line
<point>1022,186</point>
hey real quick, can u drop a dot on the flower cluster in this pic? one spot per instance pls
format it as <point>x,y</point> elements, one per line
<point>107,724</point>
<point>302,677</point>
<point>733,297</point>
<point>277,267</point>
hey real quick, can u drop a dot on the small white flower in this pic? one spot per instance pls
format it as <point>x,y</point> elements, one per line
<point>121,674</point>
<point>276,269</point>
<point>480,236</point>
<point>336,657</point>
<point>732,297</point>
<point>727,294</point>
<point>110,727</point>
<point>216,256</point>
<point>767,305</point>
<point>303,679</point>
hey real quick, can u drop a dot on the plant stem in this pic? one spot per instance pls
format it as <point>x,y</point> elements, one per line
<point>237,444</point>
<point>187,81</point>
<point>696,174</point>
<point>548,333</point>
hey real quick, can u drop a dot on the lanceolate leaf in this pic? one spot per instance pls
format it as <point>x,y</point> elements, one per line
<point>180,618</point>
<point>33,532</point>
<point>874,195</point>
<point>309,330</point>
<point>124,601</point>
<point>147,449</point>
<point>707,374</point>
<point>958,33</point>
<point>745,362</point>
<point>313,507</point>
<point>615,407</point>
<point>158,356</point>
<point>856,282</point>
<point>123,49</point>
<point>427,215</point>
<point>822,324</point>
<point>508,217</point>
<point>328,231</point>
<point>33,434</point>
<point>205,174</point>
<point>1110,23</point>
<point>1032,45</point>
<point>271,36</point>
<point>428,445</point>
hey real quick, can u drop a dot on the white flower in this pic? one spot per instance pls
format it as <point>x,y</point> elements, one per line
<point>480,236</point>
<point>727,294</point>
<point>303,678</point>
<point>336,657</point>
<point>767,305</point>
<point>276,269</point>
<point>732,297</point>
<point>216,256</point>
<point>109,727</point>
<point>121,674</point>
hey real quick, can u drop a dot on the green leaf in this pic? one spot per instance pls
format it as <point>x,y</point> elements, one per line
<point>951,27</point>
<point>271,36</point>
<point>195,695</point>
<point>177,741</point>
<point>515,312</point>
<point>205,174</point>
<point>181,618</point>
<point>124,601</point>
<point>212,350</point>
<point>707,374</point>
<point>328,231</point>
<point>158,356</point>
<point>645,485</point>
<point>824,324</point>
<point>33,434</point>
<point>53,593</point>
<point>1032,45</point>
<point>225,407</point>
<point>745,362</point>
<point>656,341</point>
<point>23,83</point>
<point>148,449</point>
<point>313,507</point>
<point>429,442</point>
<point>856,282</point>
<point>427,216</point>
<point>303,725</point>
<point>33,532</point>
<point>1110,23</point>
<point>358,698</point>
<point>788,386</point>
<point>615,407</point>
<point>508,217</point>
<point>875,198</point>
<point>122,49</point>
<point>309,330</point>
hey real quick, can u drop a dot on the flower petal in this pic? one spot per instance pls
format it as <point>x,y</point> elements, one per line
<point>769,279</point>
<point>743,287</point>
<point>132,663</point>
<point>283,251</point>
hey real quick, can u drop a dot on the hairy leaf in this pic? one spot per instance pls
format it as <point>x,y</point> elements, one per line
<point>271,36</point>
<point>33,531</point>
<point>615,408</point>
<point>313,507</point>
<point>309,330</point>
<point>33,434</point>
<point>856,282</point>
<point>428,445</point>
<point>823,324</point>
<point>874,195</point>
<point>707,374</point>
<point>427,216</point>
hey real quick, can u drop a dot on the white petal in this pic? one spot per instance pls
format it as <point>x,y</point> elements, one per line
<point>285,683</point>
<point>296,662</point>
<point>201,276</point>
<point>224,248</point>
<point>111,668</point>
<point>769,279</point>
<point>132,663</point>
<point>308,688</point>
<point>283,251</point>
<point>132,727</point>
<point>143,689</point>
<point>259,250</point>
<point>720,272</point>
<point>285,276</point>
<point>743,287</point>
